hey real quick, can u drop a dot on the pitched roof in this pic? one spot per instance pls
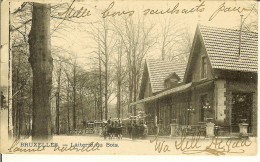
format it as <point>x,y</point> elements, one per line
<point>159,70</point>
<point>222,46</point>
<point>181,88</point>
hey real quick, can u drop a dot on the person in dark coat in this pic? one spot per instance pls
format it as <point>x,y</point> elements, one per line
<point>109,121</point>
<point>129,128</point>
<point>2,99</point>
<point>134,131</point>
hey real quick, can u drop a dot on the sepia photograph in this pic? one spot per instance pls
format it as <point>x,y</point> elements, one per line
<point>135,77</point>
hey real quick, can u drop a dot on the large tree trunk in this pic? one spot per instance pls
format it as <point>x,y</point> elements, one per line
<point>42,65</point>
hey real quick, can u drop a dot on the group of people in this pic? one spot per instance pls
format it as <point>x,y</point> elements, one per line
<point>113,129</point>
<point>115,123</point>
<point>136,131</point>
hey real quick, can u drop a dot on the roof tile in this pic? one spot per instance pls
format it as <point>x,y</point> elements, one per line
<point>222,46</point>
<point>159,70</point>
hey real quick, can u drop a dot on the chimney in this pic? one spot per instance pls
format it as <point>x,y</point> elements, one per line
<point>240,37</point>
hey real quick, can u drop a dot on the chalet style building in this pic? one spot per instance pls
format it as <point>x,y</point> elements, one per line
<point>218,85</point>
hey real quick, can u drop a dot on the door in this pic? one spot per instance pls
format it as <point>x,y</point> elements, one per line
<point>241,110</point>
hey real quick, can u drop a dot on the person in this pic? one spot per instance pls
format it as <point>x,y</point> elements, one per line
<point>120,129</point>
<point>156,131</point>
<point>109,121</point>
<point>119,122</point>
<point>105,131</point>
<point>130,130</point>
<point>133,131</point>
<point>145,129</point>
<point>112,124</point>
<point>2,99</point>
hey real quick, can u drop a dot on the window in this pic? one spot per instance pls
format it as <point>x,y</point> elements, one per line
<point>203,68</point>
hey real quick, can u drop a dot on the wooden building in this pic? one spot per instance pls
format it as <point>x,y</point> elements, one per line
<point>218,84</point>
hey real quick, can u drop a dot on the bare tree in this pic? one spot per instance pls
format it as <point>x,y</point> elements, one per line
<point>248,22</point>
<point>137,40</point>
<point>174,40</point>
<point>120,74</point>
<point>170,36</point>
<point>103,37</point>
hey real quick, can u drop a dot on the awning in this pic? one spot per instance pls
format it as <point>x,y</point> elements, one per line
<point>165,93</point>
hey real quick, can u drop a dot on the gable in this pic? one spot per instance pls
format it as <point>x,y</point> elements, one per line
<point>221,47</point>
<point>158,70</point>
<point>171,81</point>
<point>155,72</point>
<point>195,68</point>
<point>144,81</point>
<point>172,76</point>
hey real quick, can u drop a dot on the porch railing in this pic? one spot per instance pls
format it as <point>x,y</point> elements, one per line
<point>192,130</point>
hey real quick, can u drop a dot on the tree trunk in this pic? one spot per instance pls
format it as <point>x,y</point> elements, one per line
<point>106,91</point>
<point>119,82</point>
<point>42,65</point>
<point>100,85</point>
<point>18,101</point>
<point>81,106</point>
<point>95,104</point>
<point>130,81</point>
<point>74,98</point>
<point>106,76</point>
<point>68,112</point>
<point>58,104</point>
<point>118,100</point>
<point>134,79</point>
<point>58,113</point>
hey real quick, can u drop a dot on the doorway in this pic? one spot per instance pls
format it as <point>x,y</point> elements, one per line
<point>241,110</point>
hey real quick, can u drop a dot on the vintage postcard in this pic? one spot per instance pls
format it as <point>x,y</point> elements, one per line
<point>107,77</point>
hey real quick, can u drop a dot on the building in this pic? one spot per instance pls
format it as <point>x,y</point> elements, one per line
<point>218,84</point>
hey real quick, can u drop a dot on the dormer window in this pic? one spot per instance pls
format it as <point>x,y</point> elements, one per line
<point>204,68</point>
<point>172,80</point>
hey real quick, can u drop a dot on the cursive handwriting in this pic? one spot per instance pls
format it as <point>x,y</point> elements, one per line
<point>160,146</point>
<point>72,13</point>
<point>176,10</point>
<point>224,8</point>
<point>92,147</point>
<point>185,145</point>
<point>15,148</point>
<point>88,148</point>
<point>108,12</point>
<point>218,146</point>
<point>217,143</point>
